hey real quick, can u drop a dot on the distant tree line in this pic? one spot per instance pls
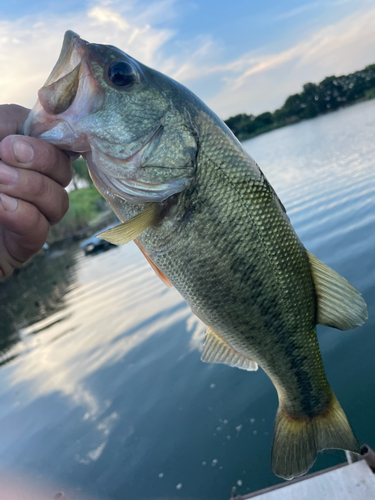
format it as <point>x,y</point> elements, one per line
<point>315,99</point>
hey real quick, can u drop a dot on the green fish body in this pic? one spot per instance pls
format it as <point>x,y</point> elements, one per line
<point>209,223</point>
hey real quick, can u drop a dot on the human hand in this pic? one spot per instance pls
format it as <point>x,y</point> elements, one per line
<point>33,175</point>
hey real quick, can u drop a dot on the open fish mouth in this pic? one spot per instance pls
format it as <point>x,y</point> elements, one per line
<point>69,94</point>
<point>71,55</point>
<point>61,87</point>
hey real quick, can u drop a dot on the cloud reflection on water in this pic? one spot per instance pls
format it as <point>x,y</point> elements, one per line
<point>104,320</point>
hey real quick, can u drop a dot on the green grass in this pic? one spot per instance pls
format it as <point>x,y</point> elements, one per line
<point>84,206</point>
<point>370,94</point>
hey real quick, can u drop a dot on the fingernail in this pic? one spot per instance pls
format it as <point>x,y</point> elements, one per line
<point>8,175</point>
<point>9,204</point>
<point>23,152</point>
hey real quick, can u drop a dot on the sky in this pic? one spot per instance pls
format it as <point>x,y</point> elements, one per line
<point>244,56</point>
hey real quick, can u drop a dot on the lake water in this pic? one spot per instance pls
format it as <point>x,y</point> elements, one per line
<point>102,391</point>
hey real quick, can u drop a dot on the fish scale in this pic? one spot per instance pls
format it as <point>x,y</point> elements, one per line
<point>245,234</point>
<point>210,223</point>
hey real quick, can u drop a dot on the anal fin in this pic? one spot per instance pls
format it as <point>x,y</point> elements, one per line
<point>216,350</point>
<point>161,275</point>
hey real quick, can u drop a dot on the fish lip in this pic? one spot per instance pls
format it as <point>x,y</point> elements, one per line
<point>71,55</point>
<point>49,123</point>
<point>65,75</point>
<point>79,44</point>
<point>50,134</point>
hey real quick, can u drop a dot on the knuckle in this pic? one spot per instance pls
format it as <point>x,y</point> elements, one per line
<point>5,269</point>
<point>64,203</point>
<point>25,233</point>
<point>9,114</point>
<point>9,121</point>
<point>65,168</point>
<point>40,227</point>
<point>29,219</point>
<point>40,186</point>
<point>43,231</point>
<point>46,156</point>
<point>54,163</point>
<point>61,206</point>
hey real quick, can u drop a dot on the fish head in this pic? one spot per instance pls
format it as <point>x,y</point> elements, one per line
<point>127,120</point>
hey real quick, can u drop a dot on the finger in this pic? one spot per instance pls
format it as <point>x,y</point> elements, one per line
<point>48,196</point>
<point>24,231</point>
<point>12,118</point>
<point>34,154</point>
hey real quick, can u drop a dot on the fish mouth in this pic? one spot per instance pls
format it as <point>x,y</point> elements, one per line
<point>69,94</point>
<point>71,55</point>
<point>60,89</point>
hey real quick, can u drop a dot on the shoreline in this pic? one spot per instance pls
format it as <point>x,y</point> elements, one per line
<point>245,137</point>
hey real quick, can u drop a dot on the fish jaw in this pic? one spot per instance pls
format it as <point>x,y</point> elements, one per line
<point>69,95</point>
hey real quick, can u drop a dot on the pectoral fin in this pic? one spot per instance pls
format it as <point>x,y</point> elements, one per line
<point>161,275</point>
<point>339,303</point>
<point>122,234</point>
<point>216,350</point>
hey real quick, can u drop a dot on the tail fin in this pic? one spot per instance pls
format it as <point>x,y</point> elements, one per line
<point>297,441</point>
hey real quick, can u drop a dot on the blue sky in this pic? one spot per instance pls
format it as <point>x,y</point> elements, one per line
<point>239,56</point>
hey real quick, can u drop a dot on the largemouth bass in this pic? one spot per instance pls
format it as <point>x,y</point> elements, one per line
<point>209,223</point>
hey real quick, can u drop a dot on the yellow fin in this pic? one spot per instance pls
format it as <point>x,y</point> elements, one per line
<point>339,303</point>
<point>161,275</point>
<point>122,234</point>
<point>217,351</point>
<point>297,440</point>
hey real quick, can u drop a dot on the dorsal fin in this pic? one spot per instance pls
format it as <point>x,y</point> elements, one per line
<point>161,275</point>
<point>123,233</point>
<point>216,350</point>
<point>339,303</point>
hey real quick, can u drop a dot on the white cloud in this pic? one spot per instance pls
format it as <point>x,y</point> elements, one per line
<point>253,82</point>
<point>102,15</point>
<point>299,10</point>
<point>339,48</point>
<point>29,46</point>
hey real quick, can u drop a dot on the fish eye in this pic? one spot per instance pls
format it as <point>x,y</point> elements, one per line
<point>121,74</point>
